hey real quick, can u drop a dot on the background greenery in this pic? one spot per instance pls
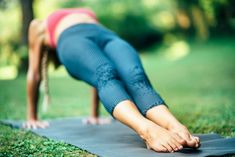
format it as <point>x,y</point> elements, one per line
<point>144,23</point>
<point>187,48</point>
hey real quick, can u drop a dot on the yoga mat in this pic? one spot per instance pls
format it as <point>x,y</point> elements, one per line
<point>117,140</point>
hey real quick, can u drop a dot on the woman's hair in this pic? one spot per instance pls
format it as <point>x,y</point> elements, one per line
<point>44,72</point>
<point>49,55</point>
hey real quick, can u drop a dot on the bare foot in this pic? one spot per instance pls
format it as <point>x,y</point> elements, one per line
<point>160,139</point>
<point>183,132</point>
<point>163,117</point>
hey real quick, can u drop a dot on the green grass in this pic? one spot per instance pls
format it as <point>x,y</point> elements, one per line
<point>199,89</point>
<point>21,143</point>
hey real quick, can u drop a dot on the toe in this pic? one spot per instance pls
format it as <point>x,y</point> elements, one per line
<point>197,139</point>
<point>157,147</point>
<point>168,147</point>
<point>192,143</point>
<point>178,146</point>
<point>161,148</point>
<point>179,139</point>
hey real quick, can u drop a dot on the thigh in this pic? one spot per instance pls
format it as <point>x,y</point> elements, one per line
<point>81,57</point>
<point>124,57</point>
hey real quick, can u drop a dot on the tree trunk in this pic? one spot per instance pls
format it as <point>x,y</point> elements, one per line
<point>27,16</point>
<point>200,23</point>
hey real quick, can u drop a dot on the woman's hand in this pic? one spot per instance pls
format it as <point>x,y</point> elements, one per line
<point>34,124</point>
<point>96,120</point>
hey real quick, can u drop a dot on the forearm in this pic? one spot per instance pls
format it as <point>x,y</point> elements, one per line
<point>95,104</point>
<point>33,82</point>
<point>36,47</point>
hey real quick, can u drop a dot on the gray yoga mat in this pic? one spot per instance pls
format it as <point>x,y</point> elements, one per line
<point>117,140</point>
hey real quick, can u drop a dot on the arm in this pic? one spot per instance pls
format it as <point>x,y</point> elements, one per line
<point>94,117</point>
<point>36,41</point>
<point>95,104</point>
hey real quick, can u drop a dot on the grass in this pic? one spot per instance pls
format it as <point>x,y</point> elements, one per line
<point>198,88</point>
<point>24,143</point>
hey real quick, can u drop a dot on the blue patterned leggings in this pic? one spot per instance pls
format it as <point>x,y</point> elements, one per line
<point>96,55</point>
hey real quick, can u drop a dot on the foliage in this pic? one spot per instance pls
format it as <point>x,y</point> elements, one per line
<point>9,41</point>
<point>143,23</point>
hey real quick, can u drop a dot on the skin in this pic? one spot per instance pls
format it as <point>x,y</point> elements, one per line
<point>160,130</point>
<point>94,118</point>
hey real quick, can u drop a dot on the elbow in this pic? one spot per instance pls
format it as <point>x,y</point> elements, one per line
<point>33,76</point>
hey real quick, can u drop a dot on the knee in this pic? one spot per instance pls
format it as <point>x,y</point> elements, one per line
<point>105,74</point>
<point>136,74</point>
<point>137,79</point>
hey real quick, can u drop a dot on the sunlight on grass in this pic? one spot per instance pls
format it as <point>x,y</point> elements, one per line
<point>177,50</point>
<point>8,72</point>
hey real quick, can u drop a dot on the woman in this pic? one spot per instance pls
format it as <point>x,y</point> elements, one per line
<point>96,55</point>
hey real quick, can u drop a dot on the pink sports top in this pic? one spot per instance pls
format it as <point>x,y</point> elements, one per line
<point>55,17</point>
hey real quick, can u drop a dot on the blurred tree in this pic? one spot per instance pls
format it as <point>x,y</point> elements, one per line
<point>27,16</point>
<point>3,4</point>
<point>144,23</point>
<point>224,13</point>
<point>191,16</point>
<point>205,17</point>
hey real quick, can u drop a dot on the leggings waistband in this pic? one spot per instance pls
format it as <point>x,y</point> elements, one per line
<point>84,29</point>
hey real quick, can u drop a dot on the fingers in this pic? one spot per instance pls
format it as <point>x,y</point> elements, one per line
<point>90,120</point>
<point>94,121</point>
<point>35,124</point>
<point>42,125</point>
<point>24,125</point>
<point>47,124</point>
<point>102,121</point>
<point>28,125</point>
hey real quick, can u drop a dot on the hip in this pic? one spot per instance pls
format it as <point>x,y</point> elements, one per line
<point>92,31</point>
